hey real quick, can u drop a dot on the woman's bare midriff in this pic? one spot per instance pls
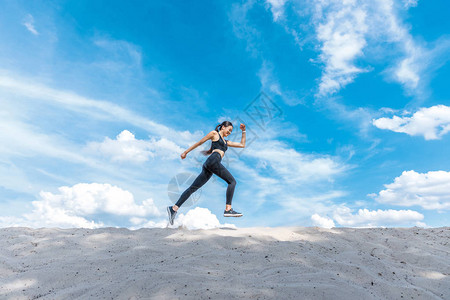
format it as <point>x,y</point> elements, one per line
<point>220,152</point>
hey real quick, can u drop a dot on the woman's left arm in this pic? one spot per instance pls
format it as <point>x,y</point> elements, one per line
<point>242,143</point>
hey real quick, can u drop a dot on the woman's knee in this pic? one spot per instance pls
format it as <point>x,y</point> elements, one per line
<point>232,182</point>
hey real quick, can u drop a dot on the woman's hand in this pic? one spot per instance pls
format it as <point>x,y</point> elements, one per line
<point>242,127</point>
<point>183,155</point>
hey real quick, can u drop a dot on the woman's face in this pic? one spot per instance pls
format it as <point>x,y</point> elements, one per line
<point>227,130</point>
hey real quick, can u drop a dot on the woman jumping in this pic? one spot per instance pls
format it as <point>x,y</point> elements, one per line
<point>212,165</point>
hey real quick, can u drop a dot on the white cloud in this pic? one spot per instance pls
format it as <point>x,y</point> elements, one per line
<point>76,206</point>
<point>137,220</point>
<point>428,190</point>
<point>432,123</point>
<point>292,166</point>
<point>409,3</point>
<point>25,140</point>
<point>277,8</point>
<point>282,176</point>
<point>121,49</point>
<point>242,28</point>
<point>199,218</point>
<point>306,200</point>
<point>322,221</point>
<point>99,109</point>
<point>88,199</point>
<point>29,141</point>
<point>359,117</point>
<point>48,217</point>
<point>344,40</point>
<point>373,218</point>
<point>268,82</point>
<point>29,24</point>
<point>119,59</point>
<point>126,148</point>
<point>342,36</point>
<point>194,219</point>
<point>23,143</point>
<point>407,70</point>
<point>342,30</point>
<point>324,196</point>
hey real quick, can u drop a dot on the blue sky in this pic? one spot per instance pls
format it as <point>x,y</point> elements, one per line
<point>100,99</point>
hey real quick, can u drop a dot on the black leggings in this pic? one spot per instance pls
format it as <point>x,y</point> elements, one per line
<point>211,165</point>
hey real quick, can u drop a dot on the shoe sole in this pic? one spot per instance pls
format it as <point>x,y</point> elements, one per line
<point>236,215</point>
<point>170,216</point>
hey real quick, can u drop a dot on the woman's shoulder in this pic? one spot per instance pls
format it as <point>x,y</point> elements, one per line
<point>214,134</point>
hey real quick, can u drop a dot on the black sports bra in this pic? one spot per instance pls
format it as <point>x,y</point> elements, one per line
<point>220,144</point>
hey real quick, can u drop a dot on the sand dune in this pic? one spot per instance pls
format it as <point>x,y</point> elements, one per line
<point>254,263</point>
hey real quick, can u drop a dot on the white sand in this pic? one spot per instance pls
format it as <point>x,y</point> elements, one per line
<point>256,263</point>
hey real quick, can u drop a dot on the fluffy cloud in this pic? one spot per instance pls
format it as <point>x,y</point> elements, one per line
<point>77,206</point>
<point>197,218</point>
<point>373,218</point>
<point>341,32</point>
<point>88,199</point>
<point>277,8</point>
<point>432,123</point>
<point>429,190</point>
<point>408,68</point>
<point>322,221</point>
<point>369,218</point>
<point>126,148</point>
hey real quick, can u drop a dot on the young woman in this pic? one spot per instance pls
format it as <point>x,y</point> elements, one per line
<point>212,165</point>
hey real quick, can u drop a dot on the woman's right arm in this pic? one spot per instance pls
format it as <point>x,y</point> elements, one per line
<point>209,136</point>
